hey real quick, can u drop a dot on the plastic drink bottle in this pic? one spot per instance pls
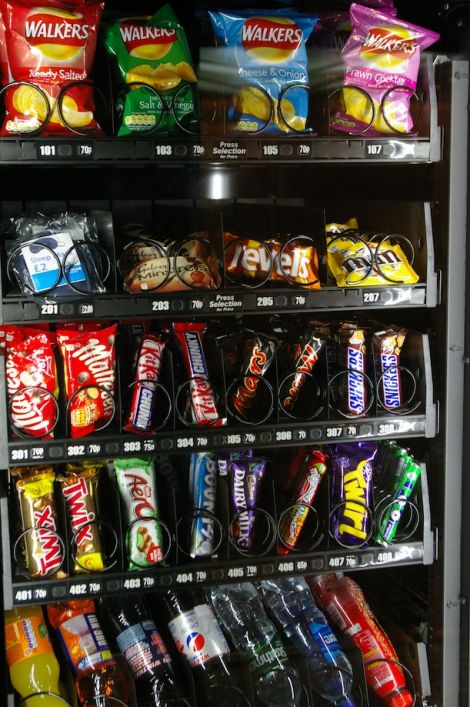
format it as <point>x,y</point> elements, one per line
<point>241,613</point>
<point>99,680</point>
<point>33,666</point>
<point>140,643</point>
<point>199,638</point>
<point>345,604</point>
<point>290,601</point>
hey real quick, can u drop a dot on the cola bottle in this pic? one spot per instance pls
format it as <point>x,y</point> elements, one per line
<point>137,637</point>
<point>199,638</point>
<point>99,680</point>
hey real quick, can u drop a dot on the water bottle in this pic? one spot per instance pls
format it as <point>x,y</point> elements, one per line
<point>291,603</point>
<point>240,611</point>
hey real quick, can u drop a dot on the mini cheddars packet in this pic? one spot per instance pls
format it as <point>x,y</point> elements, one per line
<point>154,63</point>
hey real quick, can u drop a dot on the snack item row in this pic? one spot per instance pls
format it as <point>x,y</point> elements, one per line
<point>360,493</point>
<point>243,377</point>
<point>66,256</point>
<point>48,52</point>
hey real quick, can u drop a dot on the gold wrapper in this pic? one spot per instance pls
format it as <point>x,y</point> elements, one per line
<point>43,551</point>
<point>79,489</point>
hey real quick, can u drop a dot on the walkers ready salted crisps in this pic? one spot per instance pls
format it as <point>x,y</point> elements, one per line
<point>50,49</point>
<point>381,62</point>
<point>265,53</point>
<point>156,73</point>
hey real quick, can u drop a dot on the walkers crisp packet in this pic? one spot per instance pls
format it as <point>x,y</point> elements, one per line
<point>381,62</point>
<point>267,50</point>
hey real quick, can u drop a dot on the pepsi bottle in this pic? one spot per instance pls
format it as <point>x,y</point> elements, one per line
<point>199,638</point>
<point>140,643</point>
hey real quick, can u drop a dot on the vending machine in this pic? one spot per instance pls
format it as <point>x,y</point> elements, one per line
<point>233,338</point>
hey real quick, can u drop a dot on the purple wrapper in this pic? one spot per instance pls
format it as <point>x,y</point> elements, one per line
<point>224,459</point>
<point>245,479</point>
<point>351,492</point>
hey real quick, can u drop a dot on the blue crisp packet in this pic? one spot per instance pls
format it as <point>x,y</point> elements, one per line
<point>270,57</point>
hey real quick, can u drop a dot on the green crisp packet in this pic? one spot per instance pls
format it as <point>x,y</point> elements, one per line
<point>158,79</point>
<point>144,537</point>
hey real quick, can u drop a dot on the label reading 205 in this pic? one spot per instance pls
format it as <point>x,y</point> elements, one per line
<point>265,301</point>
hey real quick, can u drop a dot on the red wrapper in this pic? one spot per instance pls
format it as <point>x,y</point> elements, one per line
<point>50,45</point>
<point>144,390</point>
<point>89,361</point>
<point>203,406</point>
<point>303,367</point>
<point>31,380</point>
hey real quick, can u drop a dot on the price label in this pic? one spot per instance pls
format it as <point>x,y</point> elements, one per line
<point>94,587</point>
<point>196,304</point>
<point>132,446</point>
<point>300,434</point>
<point>201,576</point>
<point>251,571</point>
<point>93,449</point>
<point>198,150</point>
<point>149,582</point>
<point>160,305</point>
<point>249,438</point>
<point>299,300</point>
<point>38,453</point>
<point>350,430</point>
<point>40,593</point>
<point>184,577</point>
<point>149,445</point>
<point>235,572</point>
<point>76,450</point>
<point>304,150</point>
<point>202,442</point>
<point>85,150</point>
<point>86,309</point>
<point>301,565</point>
<point>350,560</point>
<point>369,297</point>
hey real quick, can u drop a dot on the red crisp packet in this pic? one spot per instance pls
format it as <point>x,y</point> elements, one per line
<point>144,390</point>
<point>89,368</point>
<point>31,381</point>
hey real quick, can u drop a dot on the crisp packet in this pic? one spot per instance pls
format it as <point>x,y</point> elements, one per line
<point>51,48</point>
<point>354,259</point>
<point>381,62</point>
<point>154,52</point>
<point>270,57</point>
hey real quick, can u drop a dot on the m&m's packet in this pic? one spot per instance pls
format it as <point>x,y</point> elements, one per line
<point>50,48</point>
<point>356,258</point>
<point>381,62</point>
<point>155,67</point>
<point>268,49</point>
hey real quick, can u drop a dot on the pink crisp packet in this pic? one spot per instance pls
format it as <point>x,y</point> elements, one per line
<point>381,58</point>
